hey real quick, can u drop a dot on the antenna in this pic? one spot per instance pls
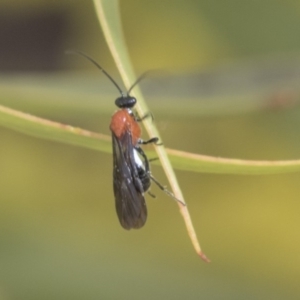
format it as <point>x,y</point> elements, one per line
<point>101,69</point>
<point>137,81</point>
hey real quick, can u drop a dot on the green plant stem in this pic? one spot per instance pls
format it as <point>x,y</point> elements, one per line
<point>181,160</point>
<point>109,18</point>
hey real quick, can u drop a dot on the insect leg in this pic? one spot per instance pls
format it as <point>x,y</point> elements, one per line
<point>151,141</point>
<point>153,159</point>
<point>152,195</point>
<point>147,115</point>
<point>163,188</point>
<point>147,168</point>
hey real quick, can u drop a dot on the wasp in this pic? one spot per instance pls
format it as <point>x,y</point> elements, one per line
<point>131,169</point>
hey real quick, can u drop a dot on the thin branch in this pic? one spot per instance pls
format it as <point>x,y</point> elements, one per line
<point>67,134</point>
<point>109,18</point>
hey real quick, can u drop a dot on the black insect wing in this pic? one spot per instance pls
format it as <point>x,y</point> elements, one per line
<point>128,187</point>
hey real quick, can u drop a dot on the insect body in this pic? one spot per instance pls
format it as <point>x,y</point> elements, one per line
<point>128,168</point>
<point>131,170</point>
<point>131,173</point>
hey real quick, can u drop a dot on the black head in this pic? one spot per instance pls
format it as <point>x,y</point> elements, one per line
<point>125,101</point>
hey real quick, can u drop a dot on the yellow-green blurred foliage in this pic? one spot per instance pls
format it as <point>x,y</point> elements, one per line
<point>59,234</point>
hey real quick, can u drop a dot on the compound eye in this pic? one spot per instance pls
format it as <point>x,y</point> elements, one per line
<point>131,101</point>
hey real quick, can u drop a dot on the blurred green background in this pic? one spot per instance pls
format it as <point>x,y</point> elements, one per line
<point>228,86</point>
